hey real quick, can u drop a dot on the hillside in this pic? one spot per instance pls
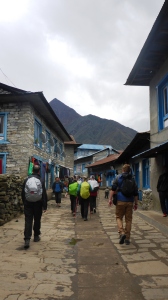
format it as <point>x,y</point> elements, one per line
<point>91,129</point>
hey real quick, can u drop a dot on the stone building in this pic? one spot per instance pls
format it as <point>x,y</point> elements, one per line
<point>31,132</point>
<point>151,69</point>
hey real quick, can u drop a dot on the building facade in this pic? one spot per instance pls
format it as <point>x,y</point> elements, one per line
<point>30,132</point>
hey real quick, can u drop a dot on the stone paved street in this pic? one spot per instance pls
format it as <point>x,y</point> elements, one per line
<point>79,260</point>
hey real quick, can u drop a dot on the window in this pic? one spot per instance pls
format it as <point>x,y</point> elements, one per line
<point>37,132</point>
<point>61,151</point>
<point>163,103</point>
<point>55,147</point>
<point>83,168</point>
<point>145,170</point>
<point>3,127</point>
<point>136,171</point>
<point>3,163</point>
<point>48,146</point>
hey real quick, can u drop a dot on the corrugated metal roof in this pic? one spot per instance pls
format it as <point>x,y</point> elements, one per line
<point>39,102</point>
<point>154,52</point>
<point>105,160</point>
<point>94,147</point>
<point>153,152</point>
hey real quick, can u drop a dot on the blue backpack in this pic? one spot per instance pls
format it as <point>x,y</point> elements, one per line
<point>57,188</point>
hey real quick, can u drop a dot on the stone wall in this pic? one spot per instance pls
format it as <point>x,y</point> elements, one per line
<point>10,197</point>
<point>147,201</point>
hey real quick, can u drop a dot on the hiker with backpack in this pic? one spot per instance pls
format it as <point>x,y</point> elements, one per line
<point>162,188</point>
<point>93,194</point>
<point>72,190</point>
<point>34,198</point>
<point>83,191</point>
<point>57,188</point>
<point>125,189</point>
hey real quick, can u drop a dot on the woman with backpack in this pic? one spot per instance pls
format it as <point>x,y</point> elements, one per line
<point>72,190</point>
<point>57,188</point>
<point>84,190</point>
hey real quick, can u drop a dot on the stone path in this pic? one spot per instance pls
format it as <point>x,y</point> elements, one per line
<point>79,260</point>
<point>146,258</point>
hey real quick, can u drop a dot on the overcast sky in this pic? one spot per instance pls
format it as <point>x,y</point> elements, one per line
<point>80,52</point>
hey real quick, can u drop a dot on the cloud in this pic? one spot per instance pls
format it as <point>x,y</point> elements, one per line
<point>80,52</point>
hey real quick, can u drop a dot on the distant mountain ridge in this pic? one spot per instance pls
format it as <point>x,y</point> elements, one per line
<point>91,129</point>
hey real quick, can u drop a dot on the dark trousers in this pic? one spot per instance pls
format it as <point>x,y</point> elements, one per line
<point>58,197</point>
<point>163,196</point>
<point>73,203</point>
<point>92,202</point>
<point>33,212</point>
<point>84,207</point>
<point>106,195</point>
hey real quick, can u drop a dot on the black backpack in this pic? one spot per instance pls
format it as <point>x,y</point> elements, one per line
<point>127,187</point>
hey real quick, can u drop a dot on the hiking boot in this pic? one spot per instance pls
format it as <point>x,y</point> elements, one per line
<point>122,239</point>
<point>127,242</point>
<point>27,244</point>
<point>36,238</point>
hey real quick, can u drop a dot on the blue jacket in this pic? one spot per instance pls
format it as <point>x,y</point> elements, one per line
<point>116,186</point>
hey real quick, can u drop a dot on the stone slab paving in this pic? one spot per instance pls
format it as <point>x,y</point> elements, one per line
<point>146,257</point>
<point>78,260</point>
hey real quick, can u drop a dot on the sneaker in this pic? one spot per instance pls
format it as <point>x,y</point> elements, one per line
<point>94,209</point>
<point>164,215</point>
<point>36,238</point>
<point>122,239</point>
<point>27,244</point>
<point>85,219</point>
<point>127,242</point>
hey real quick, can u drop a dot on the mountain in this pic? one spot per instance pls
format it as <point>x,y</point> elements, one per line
<point>91,129</point>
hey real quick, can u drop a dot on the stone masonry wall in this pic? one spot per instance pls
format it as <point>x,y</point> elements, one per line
<point>147,201</point>
<point>10,197</point>
<point>20,139</point>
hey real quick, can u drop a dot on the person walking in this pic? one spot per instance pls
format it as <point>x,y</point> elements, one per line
<point>93,194</point>
<point>84,190</point>
<point>72,190</point>
<point>34,198</point>
<point>57,188</point>
<point>162,188</point>
<point>106,195</point>
<point>127,199</point>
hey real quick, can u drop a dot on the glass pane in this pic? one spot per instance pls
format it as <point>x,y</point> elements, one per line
<point>165,102</point>
<point>1,124</point>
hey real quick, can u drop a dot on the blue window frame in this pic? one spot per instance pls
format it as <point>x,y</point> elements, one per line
<point>61,151</point>
<point>48,146</point>
<point>37,131</point>
<point>3,162</point>
<point>83,168</point>
<point>145,170</point>
<point>162,91</point>
<point>55,147</point>
<point>3,127</point>
<point>136,170</point>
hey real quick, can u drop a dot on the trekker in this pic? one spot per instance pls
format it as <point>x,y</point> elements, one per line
<point>127,197</point>
<point>34,198</point>
<point>93,194</point>
<point>106,193</point>
<point>162,188</point>
<point>72,190</point>
<point>57,188</point>
<point>84,190</point>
